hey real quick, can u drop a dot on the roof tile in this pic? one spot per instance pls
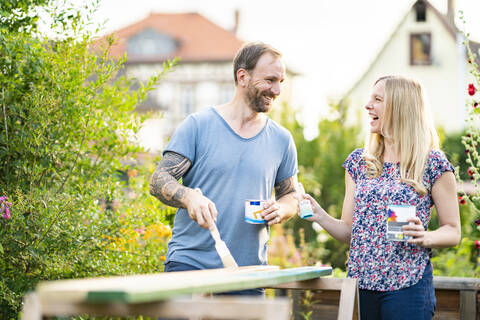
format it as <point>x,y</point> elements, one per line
<point>199,39</point>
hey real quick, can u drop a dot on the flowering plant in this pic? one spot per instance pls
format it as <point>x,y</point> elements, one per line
<point>5,208</point>
<point>471,142</point>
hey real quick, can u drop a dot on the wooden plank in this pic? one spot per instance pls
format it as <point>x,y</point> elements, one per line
<point>211,308</point>
<point>76,290</point>
<point>456,283</point>
<point>468,305</point>
<point>147,288</point>
<point>217,283</point>
<point>313,284</point>
<point>447,300</point>
<point>446,315</point>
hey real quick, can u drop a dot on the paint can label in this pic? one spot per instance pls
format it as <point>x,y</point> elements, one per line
<point>253,210</point>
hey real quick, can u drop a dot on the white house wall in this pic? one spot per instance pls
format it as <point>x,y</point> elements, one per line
<point>208,84</point>
<point>441,80</point>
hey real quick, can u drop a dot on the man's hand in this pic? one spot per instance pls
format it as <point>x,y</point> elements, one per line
<point>272,212</point>
<point>201,209</point>
<point>286,202</point>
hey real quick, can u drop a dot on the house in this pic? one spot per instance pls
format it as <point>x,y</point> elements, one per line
<point>203,77</point>
<point>427,46</point>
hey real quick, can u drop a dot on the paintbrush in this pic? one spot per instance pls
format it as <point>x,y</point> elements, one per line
<point>222,249</point>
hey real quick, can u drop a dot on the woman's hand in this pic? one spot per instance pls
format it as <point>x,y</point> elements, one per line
<point>318,211</point>
<point>417,232</point>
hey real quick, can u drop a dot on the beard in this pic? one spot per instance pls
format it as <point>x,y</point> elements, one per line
<point>256,101</point>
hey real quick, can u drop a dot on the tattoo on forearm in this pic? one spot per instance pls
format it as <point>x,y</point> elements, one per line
<point>284,187</point>
<point>164,184</point>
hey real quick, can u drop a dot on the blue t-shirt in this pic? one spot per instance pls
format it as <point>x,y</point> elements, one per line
<point>228,169</point>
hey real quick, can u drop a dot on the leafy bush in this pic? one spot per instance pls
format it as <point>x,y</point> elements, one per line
<point>67,121</point>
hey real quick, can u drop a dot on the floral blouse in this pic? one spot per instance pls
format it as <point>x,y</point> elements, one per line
<point>380,264</point>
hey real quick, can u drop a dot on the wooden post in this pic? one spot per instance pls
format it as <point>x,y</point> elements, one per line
<point>468,305</point>
<point>32,309</point>
<point>349,297</point>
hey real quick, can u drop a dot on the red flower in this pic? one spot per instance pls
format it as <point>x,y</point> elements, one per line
<point>470,171</point>
<point>471,89</point>
<point>475,105</point>
<point>477,244</point>
<point>461,200</point>
<point>477,222</point>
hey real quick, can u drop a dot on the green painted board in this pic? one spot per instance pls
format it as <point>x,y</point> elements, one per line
<point>162,286</point>
<point>213,284</point>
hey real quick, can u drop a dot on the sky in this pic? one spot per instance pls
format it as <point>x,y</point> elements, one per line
<point>329,42</point>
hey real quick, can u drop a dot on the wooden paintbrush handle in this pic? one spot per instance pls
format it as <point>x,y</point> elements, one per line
<point>215,234</point>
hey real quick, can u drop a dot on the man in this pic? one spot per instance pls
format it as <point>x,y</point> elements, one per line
<point>232,153</point>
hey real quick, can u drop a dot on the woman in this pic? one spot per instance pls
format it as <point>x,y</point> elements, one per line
<point>401,165</point>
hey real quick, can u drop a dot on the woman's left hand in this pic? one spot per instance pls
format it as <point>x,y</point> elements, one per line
<point>416,231</point>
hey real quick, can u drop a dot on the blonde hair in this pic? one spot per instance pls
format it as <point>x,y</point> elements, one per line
<point>410,127</point>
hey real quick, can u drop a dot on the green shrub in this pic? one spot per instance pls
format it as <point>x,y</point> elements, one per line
<point>67,120</point>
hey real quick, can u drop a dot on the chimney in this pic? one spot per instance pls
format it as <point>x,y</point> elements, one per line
<point>237,20</point>
<point>451,12</point>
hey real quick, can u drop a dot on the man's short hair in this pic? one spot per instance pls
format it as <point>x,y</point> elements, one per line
<point>247,57</point>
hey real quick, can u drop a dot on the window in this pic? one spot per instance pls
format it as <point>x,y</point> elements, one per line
<point>188,98</point>
<point>421,11</point>
<point>150,43</point>
<point>420,49</point>
<point>226,93</point>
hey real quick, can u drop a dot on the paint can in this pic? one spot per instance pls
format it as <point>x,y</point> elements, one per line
<point>253,210</point>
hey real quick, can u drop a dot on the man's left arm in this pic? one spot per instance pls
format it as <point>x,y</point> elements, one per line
<point>286,202</point>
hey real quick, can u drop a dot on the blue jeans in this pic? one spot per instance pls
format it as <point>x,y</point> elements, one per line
<point>173,266</point>
<point>413,303</point>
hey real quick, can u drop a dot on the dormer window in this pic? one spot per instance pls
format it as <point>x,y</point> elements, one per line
<point>150,43</point>
<point>420,49</point>
<point>420,11</point>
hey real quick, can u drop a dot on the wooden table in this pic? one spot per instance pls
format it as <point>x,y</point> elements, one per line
<point>169,294</point>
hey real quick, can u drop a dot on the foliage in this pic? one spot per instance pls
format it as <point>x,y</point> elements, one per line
<point>66,128</point>
<point>468,252</point>
<point>321,172</point>
<point>452,145</point>
<point>461,260</point>
<point>19,15</point>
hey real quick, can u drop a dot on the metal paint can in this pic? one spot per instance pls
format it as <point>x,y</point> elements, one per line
<point>253,210</point>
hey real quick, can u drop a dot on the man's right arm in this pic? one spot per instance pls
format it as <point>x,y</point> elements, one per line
<point>165,187</point>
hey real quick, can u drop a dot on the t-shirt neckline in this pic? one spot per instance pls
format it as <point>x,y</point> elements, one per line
<point>233,131</point>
